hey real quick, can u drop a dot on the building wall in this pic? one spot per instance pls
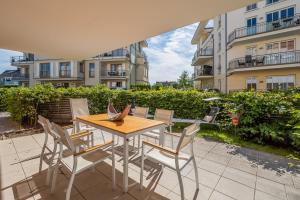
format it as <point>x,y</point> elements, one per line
<point>237,81</point>
<point>238,19</point>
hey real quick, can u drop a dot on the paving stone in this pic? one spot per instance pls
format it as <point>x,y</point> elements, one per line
<point>211,166</point>
<point>235,189</point>
<point>25,143</point>
<point>190,191</point>
<point>243,165</point>
<point>296,181</point>
<point>205,177</point>
<point>278,175</point>
<point>270,187</point>
<point>240,176</point>
<point>292,193</point>
<point>259,195</point>
<point>219,196</point>
<point>222,159</point>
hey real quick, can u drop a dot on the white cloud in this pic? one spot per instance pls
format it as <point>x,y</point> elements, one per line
<point>171,53</point>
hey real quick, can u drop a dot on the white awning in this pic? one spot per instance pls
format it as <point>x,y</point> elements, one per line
<point>83,28</point>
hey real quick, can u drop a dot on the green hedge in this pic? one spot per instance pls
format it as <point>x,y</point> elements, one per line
<point>268,117</point>
<point>3,100</point>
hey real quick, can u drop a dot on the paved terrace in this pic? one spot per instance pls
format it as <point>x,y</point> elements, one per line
<point>225,172</point>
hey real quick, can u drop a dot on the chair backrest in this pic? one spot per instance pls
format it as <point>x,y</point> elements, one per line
<point>212,115</point>
<point>187,136</point>
<point>165,116</point>
<point>79,107</point>
<point>64,137</point>
<point>46,124</point>
<point>141,112</point>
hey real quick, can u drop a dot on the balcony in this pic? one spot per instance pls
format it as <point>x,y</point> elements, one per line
<point>17,60</point>
<point>110,74</point>
<point>267,61</point>
<point>204,73</point>
<point>119,54</point>
<point>65,73</point>
<point>263,28</point>
<point>202,55</point>
<point>44,74</point>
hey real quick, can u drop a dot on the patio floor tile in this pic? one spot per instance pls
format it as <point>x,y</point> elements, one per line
<point>218,158</point>
<point>235,189</point>
<point>273,188</point>
<point>292,193</point>
<point>190,191</point>
<point>275,174</point>
<point>211,166</point>
<point>240,176</point>
<point>219,196</point>
<point>259,195</point>
<point>7,147</point>
<point>240,164</point>
<point>25,143</point>
<point>205,177</point>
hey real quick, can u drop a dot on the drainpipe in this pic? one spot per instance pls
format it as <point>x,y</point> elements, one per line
<point>226,53</point>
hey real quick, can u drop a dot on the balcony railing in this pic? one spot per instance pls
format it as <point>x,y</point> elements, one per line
<point>117,73</point>
<point>18,59</point>
<point>44,74</point>
<point>115,53</point>
<point>265,27</point>
<point>203,52</point>
<point>65,73</point>
<point>281,58</point>
<point>205,71</point>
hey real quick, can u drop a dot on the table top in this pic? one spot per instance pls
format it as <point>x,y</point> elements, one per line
<point>130,124</point>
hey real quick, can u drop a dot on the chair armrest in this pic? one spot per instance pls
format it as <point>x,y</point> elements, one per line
<point>68,126</point>
<point>173,134</point>
<point>165,149</point>
<point>80,134</point>
<point>94,148</point>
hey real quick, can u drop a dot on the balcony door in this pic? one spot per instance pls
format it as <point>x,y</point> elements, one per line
<point>65,69</point>
<point>251,26</point>
<point>44,70</point>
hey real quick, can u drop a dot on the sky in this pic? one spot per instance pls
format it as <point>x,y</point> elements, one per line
<point>169,54</point>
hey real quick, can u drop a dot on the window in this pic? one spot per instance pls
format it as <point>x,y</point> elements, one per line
<point>92,70</point>
<point>118,52</point>
<point>280,82</point>
<point>81,67</point>
<point>291,45</point>
<point>287,13</point>
<point>219,64</point>
<point>65,69</point>
<point>119,84</point>
<point>219,21</point>
<point>271,1</point>
<point>251,7</point>
<point>44,70</point>
<point>251,83</point>
<point>274,16</point>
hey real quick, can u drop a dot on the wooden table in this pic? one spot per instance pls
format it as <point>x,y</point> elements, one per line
<point>129,127</point>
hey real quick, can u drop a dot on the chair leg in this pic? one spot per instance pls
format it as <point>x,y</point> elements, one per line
<point>43,152</point>
<point>142,169</point>
<point>113,165</point>
<point>68,194</point>
<point>50,168</point>
<point>54,177</point>
<point>103,136</point>
<point>179,179</point>
<point>196,173</point>
<point>139,143</point>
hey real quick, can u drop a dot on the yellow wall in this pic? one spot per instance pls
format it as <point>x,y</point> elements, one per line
<point>237,81</point>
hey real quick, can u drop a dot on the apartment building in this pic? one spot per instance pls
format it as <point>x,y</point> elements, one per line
<point>258,47</point>
<point>117,69</point>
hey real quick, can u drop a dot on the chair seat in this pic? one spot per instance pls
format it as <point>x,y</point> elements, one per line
<point>152,134</point>
<point>85,161</point>
<point>168,159</point>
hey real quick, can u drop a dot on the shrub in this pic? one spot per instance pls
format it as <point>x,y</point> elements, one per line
<point>3,100</point>
<point>267,117</point>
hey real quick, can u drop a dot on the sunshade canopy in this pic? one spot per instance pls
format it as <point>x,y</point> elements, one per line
<point>82,28</point>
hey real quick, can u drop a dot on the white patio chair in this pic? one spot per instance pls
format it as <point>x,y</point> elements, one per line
<point>173,159</point>
<point>210,118</point>
<point>143,113</point>
<point>165,116</point>
<point>79,107</point>
<point>52,150</point>
<point>79,160</point>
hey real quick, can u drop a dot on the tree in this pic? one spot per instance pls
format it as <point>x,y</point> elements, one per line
<point>185,81</point>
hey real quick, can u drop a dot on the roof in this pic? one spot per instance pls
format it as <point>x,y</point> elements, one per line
<point>11,73</point>
<point>80,29</point>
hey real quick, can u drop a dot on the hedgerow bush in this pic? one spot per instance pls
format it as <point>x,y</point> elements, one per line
<point>266,117</point>
<point>3,100</point>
